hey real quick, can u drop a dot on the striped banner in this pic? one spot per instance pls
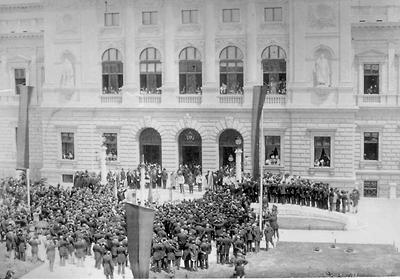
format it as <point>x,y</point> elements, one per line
<point>259,93</point>
<point>25,93</point>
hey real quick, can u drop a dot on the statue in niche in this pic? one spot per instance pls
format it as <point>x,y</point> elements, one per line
<point>67,76</point>
<point>4,74</point>
<point>322,71</point>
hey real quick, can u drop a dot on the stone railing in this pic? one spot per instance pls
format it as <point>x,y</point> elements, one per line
<point>111,99</point>
<point>190,98</point>
<point>371,100</point>
<point>150,98</point>
<point>277,99</point>
<point>231,98</point>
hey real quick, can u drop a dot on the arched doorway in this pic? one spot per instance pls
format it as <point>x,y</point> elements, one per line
<point>228,143</point>
<point>150,145</point>
<point>190,147</point>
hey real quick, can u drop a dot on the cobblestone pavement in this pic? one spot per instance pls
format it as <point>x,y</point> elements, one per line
<point>377,219</point>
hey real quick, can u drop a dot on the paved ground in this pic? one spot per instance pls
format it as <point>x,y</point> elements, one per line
<point>376,219</point>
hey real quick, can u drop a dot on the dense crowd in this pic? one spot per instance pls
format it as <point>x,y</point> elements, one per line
<point>88,219</point>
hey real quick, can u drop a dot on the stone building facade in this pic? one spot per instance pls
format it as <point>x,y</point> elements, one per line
<point>173,81</point>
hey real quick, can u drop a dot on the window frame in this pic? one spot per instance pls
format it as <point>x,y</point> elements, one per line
<point>67,174</point>
<point>74,145</point>
<point>377,187</point>
<point>116,143</point>
<point>118,76</point>
<point>231,15</point>
<point>378,148</point>
<point>224,63</point>
<point>153,18</point>
<point>191,14</point>
<point>158,75</point>
<point>322,133</point>
<point>274,9</point>
<point>15,78</point>
<point>379,79</point>
<point>362,128</point>
<point>281,134</point>
<point>197,74</point>
<point>112,14</point>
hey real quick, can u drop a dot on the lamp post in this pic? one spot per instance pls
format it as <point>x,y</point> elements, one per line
<point>238,153</point>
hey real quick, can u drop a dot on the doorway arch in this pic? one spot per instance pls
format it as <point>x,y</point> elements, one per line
<point>227,147</point>
<point>190,149</point>
<point>150,145</point>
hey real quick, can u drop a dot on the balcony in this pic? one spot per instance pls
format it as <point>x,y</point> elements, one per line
<point>377,100</point>
<point>276,99</point>
<point>149,98</point>
<point>230,99</point>
<point>111,99</point>
<point>189,98</point>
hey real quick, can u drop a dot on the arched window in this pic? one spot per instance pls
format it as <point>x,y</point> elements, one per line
<point>190,80</point>
<point>228,144</point>
<point>274,69</point>
<point>150,145</point>
<point>150,71</point>
<point>112,71</point>
<point>190,147</point>
<point>231,70</point>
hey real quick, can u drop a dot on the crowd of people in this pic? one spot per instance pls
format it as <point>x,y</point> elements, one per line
<point>88,219</point>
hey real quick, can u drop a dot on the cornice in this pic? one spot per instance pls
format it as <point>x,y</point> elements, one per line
<point>24,35</point>
<point>376,25</point>
<point>19,7</point>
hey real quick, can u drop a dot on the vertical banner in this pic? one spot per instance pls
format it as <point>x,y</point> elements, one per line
<point>25,93</point>
<point>259,93</point>
<point>140,233</point>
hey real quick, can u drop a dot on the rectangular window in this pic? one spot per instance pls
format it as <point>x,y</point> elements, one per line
<point>272,150</point>
<point>370,188</point>
<point>20,78</point>
<point>111,19</point>
<point>230,15</point>
<point>371,145</point>
<point>67,145</point>
<point>189,16</point>
<point>371,78</point>
<point>67,178</point>
<point>110,142</point>
<point>149,18</point>
<point>322,151</point>
<point>273,14</point>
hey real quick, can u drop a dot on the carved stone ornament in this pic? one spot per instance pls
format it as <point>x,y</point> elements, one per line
<point>180,44</point>
<point>221,43</point>
<point>321,16</point>
<point>67,23</point>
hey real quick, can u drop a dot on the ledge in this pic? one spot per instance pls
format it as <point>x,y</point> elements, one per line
<point>313,170</point>
<point>367,164</point>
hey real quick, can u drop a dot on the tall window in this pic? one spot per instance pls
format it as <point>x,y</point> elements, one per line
<point>189,16</point>
<point>273,14</point>
<point>322,151</point>
<point>231,70</point>
<point>150,71</point>
<point>230,15</point>
<point>110,142</point>
<point>111,19</point>
<point>371,78</point>
<point>274,69</point>
<point>20,79</point>
<point>272,150</point>
<point>112,71</point>
<point>371,145</point>
<point>149,18</point>
<point>67,178</point>
<point>190,71</point>
<point>67,145</point>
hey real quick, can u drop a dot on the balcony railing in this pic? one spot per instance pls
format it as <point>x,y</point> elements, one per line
<point>190,98</point>
<point>111,98</point>
<point>230,98</point>
<point>371,100</point>
<point>279,99</point>
<point>150,98</point>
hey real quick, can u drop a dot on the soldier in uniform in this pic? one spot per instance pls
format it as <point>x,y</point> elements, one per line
<point>108,266</point>
<point>51,252</point>
<point>268,233</point>
<point>205,250</point>
<point>121,259</point>
<point>257,237</point>
<point>10,242</point>
<point>98,251</point>
<point>239,262</point>
<point>62,250</point>
<point>226,245</point>
<point>34,242</point>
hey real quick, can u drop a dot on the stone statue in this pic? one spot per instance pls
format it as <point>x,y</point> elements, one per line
<point>67,78</point>
<point>4,74</point>
<point>322,71</point>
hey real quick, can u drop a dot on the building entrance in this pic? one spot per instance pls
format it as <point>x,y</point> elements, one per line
<point>150,146</point>
<point>229,141</point>
<point>190,147</point>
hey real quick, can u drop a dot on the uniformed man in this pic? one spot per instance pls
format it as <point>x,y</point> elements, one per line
<point>268,233</point>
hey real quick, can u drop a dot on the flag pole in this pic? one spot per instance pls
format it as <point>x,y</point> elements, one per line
<point>28,187</point>
<point>260,142</point>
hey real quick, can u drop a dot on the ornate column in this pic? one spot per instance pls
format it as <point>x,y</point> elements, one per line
<point>170,85</point>
<point>210,83</point>
<point>131,77</point>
